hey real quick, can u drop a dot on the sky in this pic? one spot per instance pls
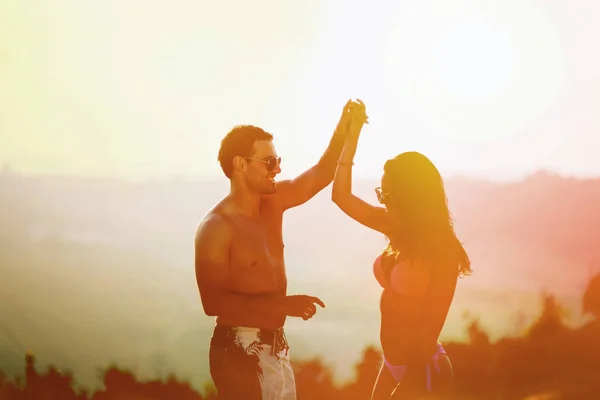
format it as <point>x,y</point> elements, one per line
<point>147,89</point>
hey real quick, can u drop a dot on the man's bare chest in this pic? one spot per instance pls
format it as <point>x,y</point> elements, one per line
<point>257,245</point>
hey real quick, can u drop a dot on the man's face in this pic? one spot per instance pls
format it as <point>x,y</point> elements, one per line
<point>260,177</point>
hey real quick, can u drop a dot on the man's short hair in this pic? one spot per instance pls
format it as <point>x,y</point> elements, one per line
<point>239,142</point>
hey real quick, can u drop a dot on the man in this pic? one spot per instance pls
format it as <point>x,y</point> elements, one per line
<point>240,267</point>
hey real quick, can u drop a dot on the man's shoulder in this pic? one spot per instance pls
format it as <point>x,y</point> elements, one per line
<point>214,222</point>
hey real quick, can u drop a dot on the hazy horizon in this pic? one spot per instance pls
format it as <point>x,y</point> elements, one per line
<point>8,169</point>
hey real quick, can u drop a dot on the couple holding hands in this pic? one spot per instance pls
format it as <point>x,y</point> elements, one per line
<point>240,268</point>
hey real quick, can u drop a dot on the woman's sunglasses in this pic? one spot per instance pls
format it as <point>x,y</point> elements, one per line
<point>381,195</point>
<point>271,162</point>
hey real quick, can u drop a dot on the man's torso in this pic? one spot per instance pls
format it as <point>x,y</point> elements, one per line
<point>256,259</point>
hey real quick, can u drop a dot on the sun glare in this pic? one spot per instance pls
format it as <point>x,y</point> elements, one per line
<point>435,75</point>
<point>474,60</point>
<point>460,68</point>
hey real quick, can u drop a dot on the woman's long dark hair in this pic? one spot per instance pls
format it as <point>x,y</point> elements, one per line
<point>424,226</point>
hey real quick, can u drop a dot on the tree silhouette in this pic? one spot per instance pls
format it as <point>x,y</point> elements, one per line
<point>366,374</point>
<point>550,325</point>
<point>314,380</point>
<point>591,297</point>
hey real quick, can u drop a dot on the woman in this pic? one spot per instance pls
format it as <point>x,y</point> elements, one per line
<point>418,269</point>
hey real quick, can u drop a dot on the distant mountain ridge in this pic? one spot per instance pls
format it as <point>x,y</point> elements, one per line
<point>543,208</point>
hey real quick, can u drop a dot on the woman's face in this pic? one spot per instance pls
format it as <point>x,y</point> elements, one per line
<point>386,184</point>
<point>386,191</point>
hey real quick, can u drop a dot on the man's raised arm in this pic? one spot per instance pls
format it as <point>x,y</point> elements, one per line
<point>299,190</point>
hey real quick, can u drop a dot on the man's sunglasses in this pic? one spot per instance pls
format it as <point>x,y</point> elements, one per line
<point>381,195</point>
<point>271,162</point>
